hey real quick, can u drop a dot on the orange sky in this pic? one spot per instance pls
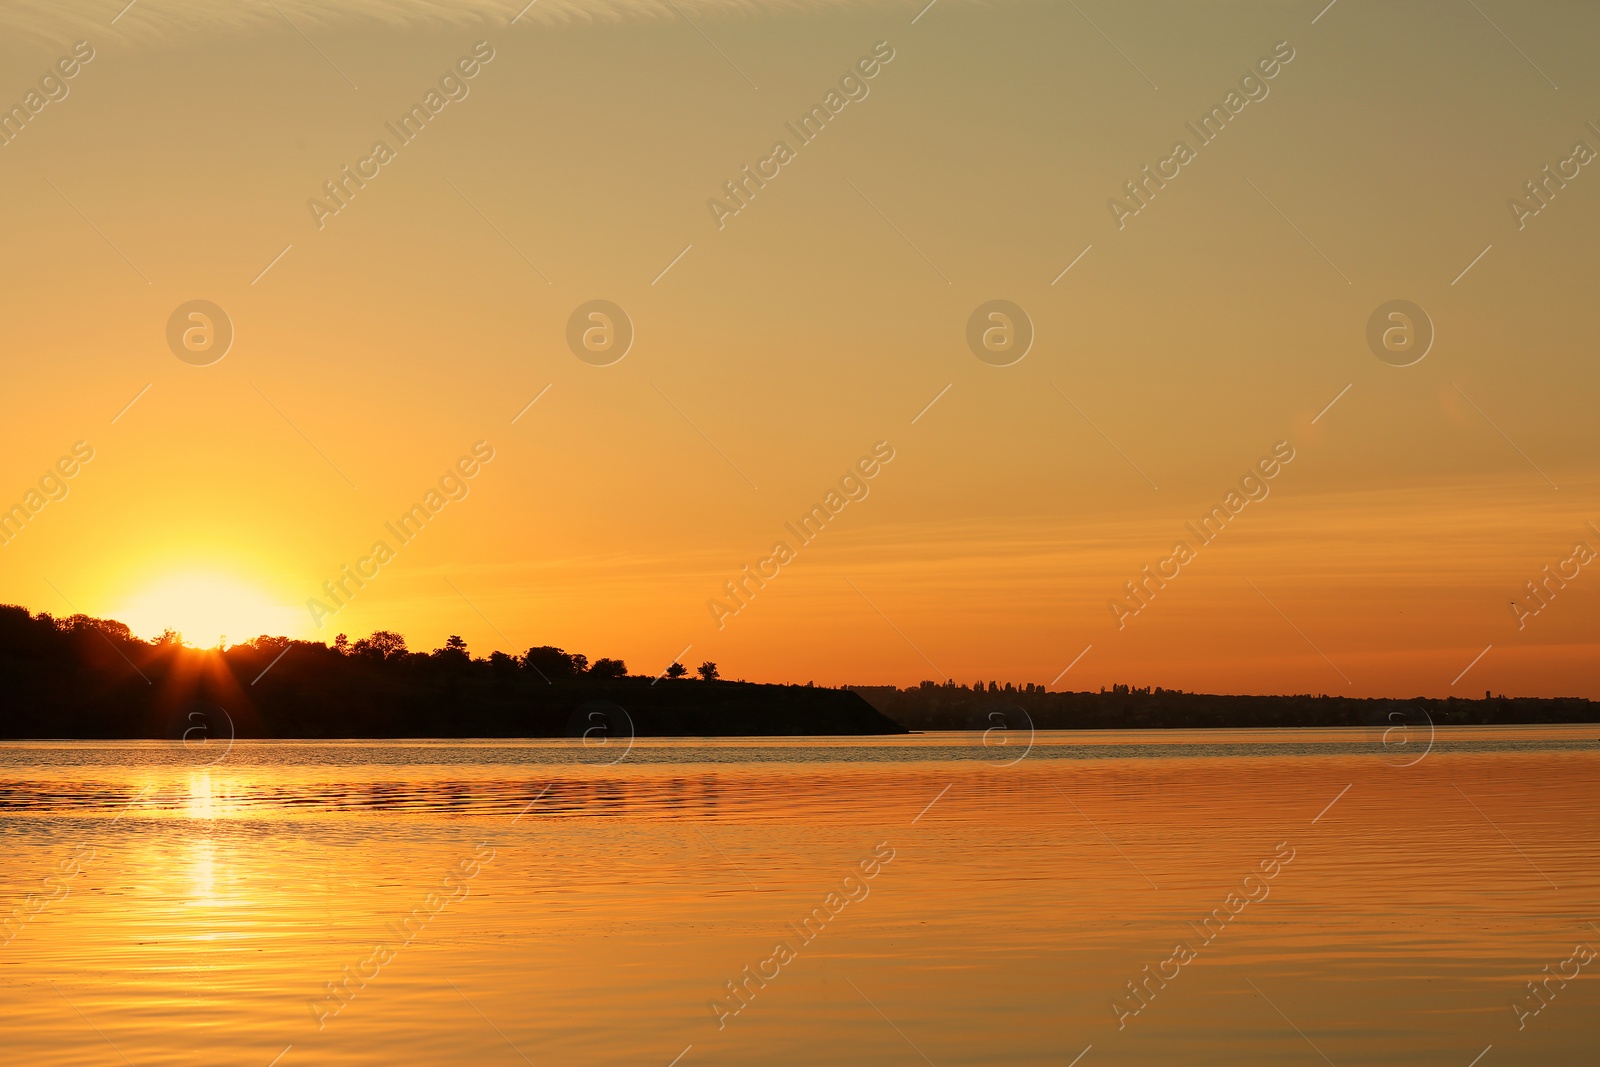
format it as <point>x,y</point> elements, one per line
<point>371,353</point>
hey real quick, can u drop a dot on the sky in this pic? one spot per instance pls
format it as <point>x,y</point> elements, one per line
<point>756,354</point>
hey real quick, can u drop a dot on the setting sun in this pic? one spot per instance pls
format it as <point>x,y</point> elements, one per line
<point>207,608</point>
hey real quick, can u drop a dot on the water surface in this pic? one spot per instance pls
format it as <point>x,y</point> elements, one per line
<point>533,902</point>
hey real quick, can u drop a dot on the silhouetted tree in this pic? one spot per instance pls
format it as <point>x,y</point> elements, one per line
<point>554,664</point>
<point>609,668</point>
<point>383,644</point>
<point>677,670</point>
<point>708,671</point>
<point>83,623</point>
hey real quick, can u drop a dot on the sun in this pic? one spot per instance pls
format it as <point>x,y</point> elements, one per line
<point>207,607</point>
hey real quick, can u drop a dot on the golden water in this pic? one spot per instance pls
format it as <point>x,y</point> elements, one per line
<point>195,914</point>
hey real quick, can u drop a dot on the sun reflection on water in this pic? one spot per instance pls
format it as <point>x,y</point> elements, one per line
<point>201,806</point>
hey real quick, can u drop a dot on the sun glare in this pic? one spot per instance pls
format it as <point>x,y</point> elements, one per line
<point>207,608</point>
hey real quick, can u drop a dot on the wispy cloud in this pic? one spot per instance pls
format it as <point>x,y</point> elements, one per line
<point>57,21</point>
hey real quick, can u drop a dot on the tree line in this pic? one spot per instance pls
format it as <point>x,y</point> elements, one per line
<point>85,677</point>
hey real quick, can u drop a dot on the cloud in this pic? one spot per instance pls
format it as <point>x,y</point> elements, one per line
<point>58,22</point>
